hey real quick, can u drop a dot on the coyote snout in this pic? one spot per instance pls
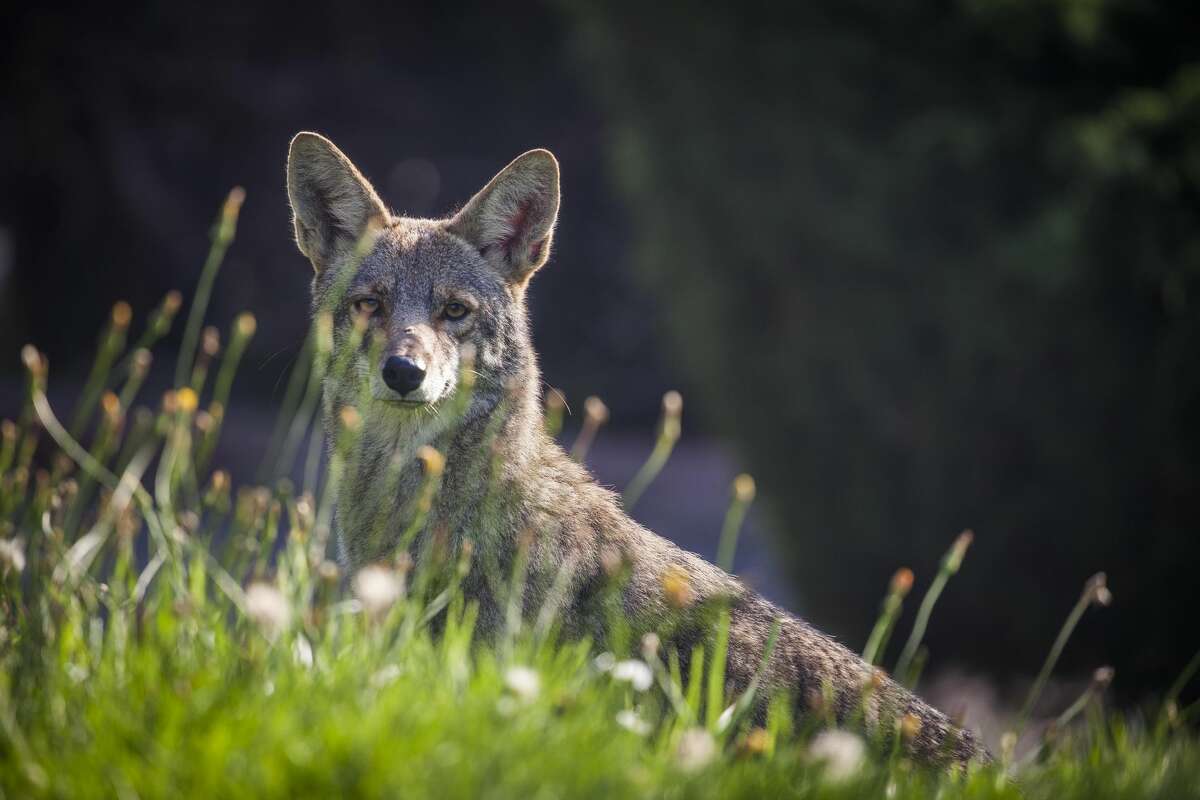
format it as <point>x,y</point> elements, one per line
<point>403,374</point>
<point>409,370</point>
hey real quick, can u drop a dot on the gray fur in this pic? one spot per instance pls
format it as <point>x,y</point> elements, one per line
<point>506,484</point>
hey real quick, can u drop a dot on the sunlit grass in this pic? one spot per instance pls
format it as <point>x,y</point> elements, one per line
<point>165,633</point>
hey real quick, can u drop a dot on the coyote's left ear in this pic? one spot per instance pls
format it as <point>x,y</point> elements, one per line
<point>511,220</point>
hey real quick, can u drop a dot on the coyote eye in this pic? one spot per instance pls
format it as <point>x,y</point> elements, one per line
<point>366,305</point>
<point>455,310</point>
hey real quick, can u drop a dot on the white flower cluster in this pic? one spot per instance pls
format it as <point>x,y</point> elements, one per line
<point>842,753</point>
<point>377,588</point>
<point>268,608</point>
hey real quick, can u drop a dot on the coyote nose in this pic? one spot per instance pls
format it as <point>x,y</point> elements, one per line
<point>402,375</point>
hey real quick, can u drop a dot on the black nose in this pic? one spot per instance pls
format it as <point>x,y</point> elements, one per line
<point>402,374</point>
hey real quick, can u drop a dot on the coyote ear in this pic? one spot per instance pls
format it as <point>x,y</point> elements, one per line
<point>332,203</point>
<point>511,220</point>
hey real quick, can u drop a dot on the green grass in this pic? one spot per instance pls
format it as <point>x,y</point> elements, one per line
<point>155,641</point>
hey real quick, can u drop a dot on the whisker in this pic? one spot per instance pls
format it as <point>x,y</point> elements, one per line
<point>561,396</point>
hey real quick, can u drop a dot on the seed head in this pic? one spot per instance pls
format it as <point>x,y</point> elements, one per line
<point>172,302</point>
<point>189,521</point>
<point>186,400</point>
<point>464,557</point>
<point>378,588</point>
<point>142,359</point>
<point>328,571</point>
<point>268,608</point>
<point>305,510</point>
<point>672,409</point>
<point>595,411</point>
<point>210,341</point>
<point>351,420</point>
<point>902,582</point>
<point>756,742</point>
<point>245,325</point>
<point>841,752</point>
<point>121,315</point>
<point>1096,590</point>
<point>958,550</point>
<point>650,645</point>
<point>611,561</point>
<point>1008,745</point>
<point>523,682</point>
<point>219,482</point>
<point>12,554</point>
<point>696,749</point>
<point>433,463</point>
<point>635,673</point>
<point>233,203</point>
<point>630,721</point>
<point>743,489</point>
<point>229,212</point>
<point>672,404</point>
<point>34,361</point>
<point>111,407</point>
<point>677,587</point>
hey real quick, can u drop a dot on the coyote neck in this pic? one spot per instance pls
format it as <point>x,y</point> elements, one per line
<point>487,453</point>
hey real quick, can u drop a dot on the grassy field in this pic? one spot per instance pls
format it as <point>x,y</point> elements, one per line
<point>166,634</point>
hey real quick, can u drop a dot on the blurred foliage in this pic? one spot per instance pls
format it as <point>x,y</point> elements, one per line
<point>936,265</point>
<point>123,125</point>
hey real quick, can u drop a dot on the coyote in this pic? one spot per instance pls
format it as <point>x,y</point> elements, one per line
<point>416,303</point>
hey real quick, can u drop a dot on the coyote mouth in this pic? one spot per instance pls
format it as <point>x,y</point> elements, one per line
<point>402,403</point>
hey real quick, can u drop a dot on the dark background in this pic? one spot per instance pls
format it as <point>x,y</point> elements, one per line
<point>917,266</point>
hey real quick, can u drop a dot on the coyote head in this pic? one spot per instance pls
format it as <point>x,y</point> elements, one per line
<point>428,297</point>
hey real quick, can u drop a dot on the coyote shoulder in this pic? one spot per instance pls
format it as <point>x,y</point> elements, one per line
<point>415,303</point>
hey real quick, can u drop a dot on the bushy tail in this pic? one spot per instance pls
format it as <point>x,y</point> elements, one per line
<point>830,681</point>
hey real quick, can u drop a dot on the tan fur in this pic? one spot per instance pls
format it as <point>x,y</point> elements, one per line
<point>507,486</point>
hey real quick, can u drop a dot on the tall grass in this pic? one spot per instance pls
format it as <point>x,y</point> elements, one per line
<point>166,633</point>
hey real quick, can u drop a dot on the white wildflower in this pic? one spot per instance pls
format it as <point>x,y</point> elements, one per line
<point>635,673</point>
<point>377,588</point>
<point>303,652</point>
<point>268,608</point>
<point>650,645</point>
<point>696,748</point>
<point>725,718</point>
<point>523,682</point>
<point>604,662</point>
<point>841,752</point>
<point>630,721</point>
<point>12,554</point>
<point>385,676</point>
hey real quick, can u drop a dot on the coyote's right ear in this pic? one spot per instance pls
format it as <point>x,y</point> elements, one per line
<point>332,202</point>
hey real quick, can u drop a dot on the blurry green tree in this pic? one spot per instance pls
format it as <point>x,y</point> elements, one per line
<point>936,265</point>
